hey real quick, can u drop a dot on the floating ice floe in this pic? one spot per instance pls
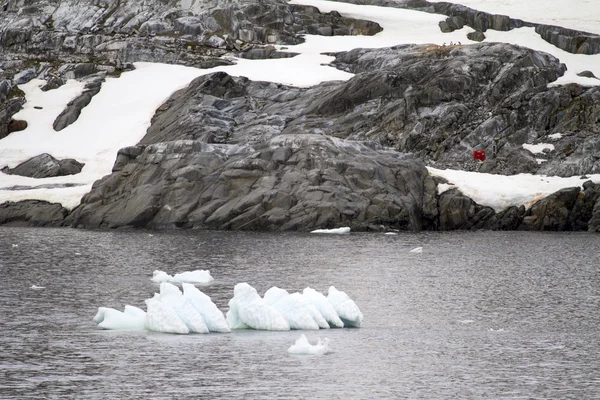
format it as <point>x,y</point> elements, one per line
<point>336,231</point>
<point>169,311</point>
<point>172,311</point>
<point>417,250</point>
<point>35,287</point>
<point>198,276</point>
<point>132,319</point>
<point>303,347</point>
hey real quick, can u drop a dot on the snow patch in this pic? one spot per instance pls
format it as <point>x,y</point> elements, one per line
<point>538,148</point>
<point>336,231</point>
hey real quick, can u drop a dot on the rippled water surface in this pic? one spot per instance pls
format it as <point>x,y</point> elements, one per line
<point>476,315</point>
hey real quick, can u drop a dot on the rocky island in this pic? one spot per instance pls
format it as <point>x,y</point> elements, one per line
<point>363,150</point>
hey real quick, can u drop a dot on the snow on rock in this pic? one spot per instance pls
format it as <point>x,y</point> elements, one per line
<point>345,307</point>
<point>326,309</point>
<point>297,316</point>
<point>303,347</point>
<point>336,231</point>
<point>501,191</point>
<point>538,148</point>
<point>249,308</point>
<point>162,318</point>
<point>213,317</point>
<point>171,296</point>
<point>198,276</point>
<point>132,319</point>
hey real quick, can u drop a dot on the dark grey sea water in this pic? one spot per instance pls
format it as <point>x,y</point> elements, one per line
<point>476,315</point>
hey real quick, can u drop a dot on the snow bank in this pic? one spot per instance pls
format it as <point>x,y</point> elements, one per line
<point>336,231</point>
<point>303,347</point>
<point>198,276</point>
<point>500,191</point>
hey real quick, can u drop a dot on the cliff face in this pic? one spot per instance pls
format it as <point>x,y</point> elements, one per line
<point>230,153</point>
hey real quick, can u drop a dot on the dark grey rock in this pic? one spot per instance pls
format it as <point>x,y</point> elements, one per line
<point>24,76</point>
<point>587,74</point>
<point>71,113</point>
<point>32,213</point>
<point>552,213</point>
<point>476,36</point>
<point>458,212</point>
<point>45,166</point>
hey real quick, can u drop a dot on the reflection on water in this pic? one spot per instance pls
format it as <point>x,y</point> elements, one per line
<point>485,314</point>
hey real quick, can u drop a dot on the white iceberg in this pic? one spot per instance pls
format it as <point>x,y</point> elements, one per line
<point>336,231</point>
<point>311,309</point>
<point>303,347</point>
<point>213,317</point>
<point>132,319</point>
<point>171,296</point>
<point>198,276</point>
<point>162,318</point>
<point>323,305</point>
<point>297,316</point>
<point>251,310</point>
<point>345,307</point>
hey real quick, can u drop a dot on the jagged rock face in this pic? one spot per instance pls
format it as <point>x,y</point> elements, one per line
<point>11,102</point>
<point>192,32</point>
<point>297,182</point>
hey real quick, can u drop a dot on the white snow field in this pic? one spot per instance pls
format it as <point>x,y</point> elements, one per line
<point>172,311</point>
<point>198,276</point>
<point>583,15</point>
<point>303,347</point>
<point>120,114</point>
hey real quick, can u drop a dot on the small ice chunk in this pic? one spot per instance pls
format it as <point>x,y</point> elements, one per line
<point>303,347</point>
<point>171,296</point>
<point>336,231</point>
<point>162,318</point>
<point>345,307</point>
<point>213,317</point>
<point>390,233</point>
<point>35,287</point>
<point>161,276</point>
<point>417,250</point>
<point>292,310</point>
<point>253,312</point>
<point>197,276</point>
<point>132,319</point>
<point>15,245</point>
<point>326,309</point>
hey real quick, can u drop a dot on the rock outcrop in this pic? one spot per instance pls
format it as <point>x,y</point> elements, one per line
<point>32,213</point>
<point>45,166</point>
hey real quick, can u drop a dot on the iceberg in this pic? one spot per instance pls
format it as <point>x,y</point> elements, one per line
<point>248,307</point>
<point>345,307</point>
<point>323,305</point>
<point>162,318</point>
<point>297,316</point>
<point>336,231</point>
<point>213,317</point>
<point>303,347</point>
<point>172,297</point>
<point>198,276</point>
<point>312,310</point>
<point>132,319</point>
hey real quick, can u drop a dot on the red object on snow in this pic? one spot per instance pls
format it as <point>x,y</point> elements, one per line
<point>479,155</point>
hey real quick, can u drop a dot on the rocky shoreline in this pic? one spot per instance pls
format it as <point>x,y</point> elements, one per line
<point>231,153</point>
